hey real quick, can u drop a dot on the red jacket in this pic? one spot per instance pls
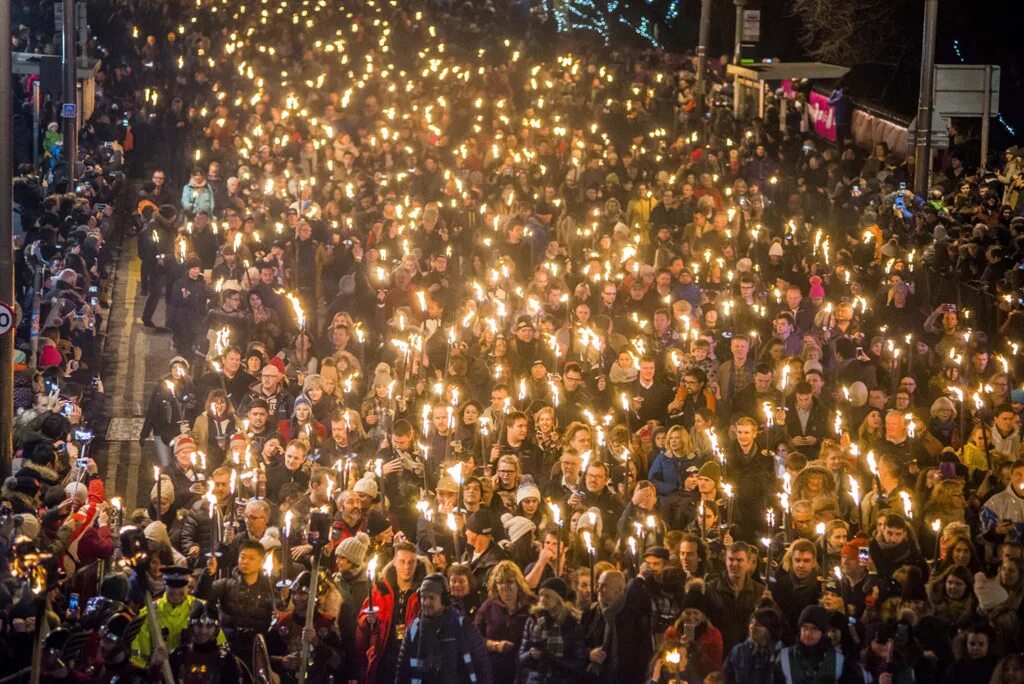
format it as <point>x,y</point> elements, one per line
<point>710,647</point>
<point>374,643</point>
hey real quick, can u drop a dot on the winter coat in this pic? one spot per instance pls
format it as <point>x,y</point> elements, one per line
<point>372,636</point>
<point>186,317</point>
<point>497,623</point>
<point>668,473</point>
<point>453,654</point>
<point>482,565</point>
<point>708,650</point>
<point>748,664</point>
<point>563,655</point>
<point>247,607</point>
<point>731,611</point>
<point>197,530</point>
<point>197,198</point>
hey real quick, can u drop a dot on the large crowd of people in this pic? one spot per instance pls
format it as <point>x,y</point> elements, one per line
<point>502,356</point>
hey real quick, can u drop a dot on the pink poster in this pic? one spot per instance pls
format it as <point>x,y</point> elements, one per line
<point>824,116</point>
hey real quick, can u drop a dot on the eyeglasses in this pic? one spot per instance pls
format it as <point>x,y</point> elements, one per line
<point>506,472</point>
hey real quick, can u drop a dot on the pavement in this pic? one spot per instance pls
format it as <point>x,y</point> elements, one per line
<point>134,359</point>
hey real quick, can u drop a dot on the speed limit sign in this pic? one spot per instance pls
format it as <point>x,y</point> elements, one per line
<point>6,318</point>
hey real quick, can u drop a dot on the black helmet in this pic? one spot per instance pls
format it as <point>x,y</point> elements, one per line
<point>56,639</point>
<point>301,583</point>
<point>116,629</point>
<point>204,612</point>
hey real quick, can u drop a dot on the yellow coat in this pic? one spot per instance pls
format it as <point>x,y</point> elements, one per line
<point>172,620</point>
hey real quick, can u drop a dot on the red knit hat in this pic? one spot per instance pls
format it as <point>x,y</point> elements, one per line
<point>184,442</point>
<point>278,363</point>
<point>852,548</point>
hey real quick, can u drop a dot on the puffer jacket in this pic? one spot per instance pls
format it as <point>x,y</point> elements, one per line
<point>563,654</point>
<point>197,530</point>
<point>242,606</point>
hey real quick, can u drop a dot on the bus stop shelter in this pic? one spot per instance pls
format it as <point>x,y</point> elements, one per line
<point>751,81</point>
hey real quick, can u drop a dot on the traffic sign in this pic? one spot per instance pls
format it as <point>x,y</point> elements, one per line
<point>69,110</point>
<point>6,319</point>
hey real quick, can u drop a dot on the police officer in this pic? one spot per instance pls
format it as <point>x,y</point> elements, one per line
<point>201,659</point>
<point>172,617</point>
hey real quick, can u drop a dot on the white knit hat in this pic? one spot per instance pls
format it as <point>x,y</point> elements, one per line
<point>354,549</point>
<point>157,532</point>
<point>991,594</point>
<point>366,485</point>
<point>166,489</point>
<point>517,526</point>
<point>527,489</point>
<point>77,492</point>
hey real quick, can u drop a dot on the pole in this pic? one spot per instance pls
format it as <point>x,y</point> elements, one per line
<point>986,115</point>
<point>69,65</point>
<point>6,243</point>
<point>36,121</point>
<point>83,29</point>
<point>738,47</point>
<point>923,133</point>
<point>306,650</point>
<point>702,53</point>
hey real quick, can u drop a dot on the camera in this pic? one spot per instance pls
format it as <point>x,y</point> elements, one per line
<point>67,409</point>
<point>83,435</point>
<point>82,463</point>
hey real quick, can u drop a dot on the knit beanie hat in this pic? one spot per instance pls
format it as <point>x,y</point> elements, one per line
<point>183,443</point>
<point>775,250</point>
<point>711,470</point>
<point>278,363</point>
<point>817,290</point>
<point>77,492</point>
<point>527,489</point>
<point>770,619</point>
<point>354,549</point>
<point>30,525</point>
<point>166,489</point>
<point>157,532</point>
<point>557,585</point>
<point>814,615</point>
<point>366,485</point>
<point>517,526</point>
<point>991,594</point>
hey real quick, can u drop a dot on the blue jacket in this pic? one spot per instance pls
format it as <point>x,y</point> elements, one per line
<point>749,664</point>
<point>667,474</point>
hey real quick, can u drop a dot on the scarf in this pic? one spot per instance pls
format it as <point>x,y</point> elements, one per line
<point>610,640</point>
<point>618,375</point>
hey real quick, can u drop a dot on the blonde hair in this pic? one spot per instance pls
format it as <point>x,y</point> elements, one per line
<point>507,571</point>
<point>684,438</point>
<point>561,609</point>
